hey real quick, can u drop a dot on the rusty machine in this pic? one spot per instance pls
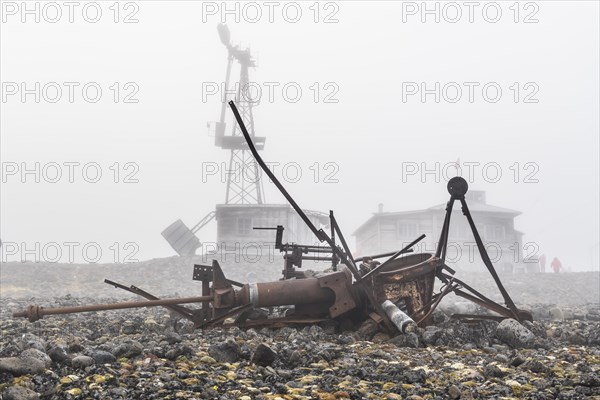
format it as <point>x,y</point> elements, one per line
<point>353,288</point>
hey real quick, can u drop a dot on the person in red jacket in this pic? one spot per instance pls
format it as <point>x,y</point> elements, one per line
<point>556,265</point>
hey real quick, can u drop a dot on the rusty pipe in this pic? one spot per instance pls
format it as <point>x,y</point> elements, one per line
<point>37,312</point>
<point>287,292</point>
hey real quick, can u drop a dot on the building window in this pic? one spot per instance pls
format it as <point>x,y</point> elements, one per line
<point>407,230</point>
<point>494,232</point>
<point>244,226</point>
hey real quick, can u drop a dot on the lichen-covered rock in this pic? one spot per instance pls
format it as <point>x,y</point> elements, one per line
<point>21,365</point>
<point>17,392</point>
<point>514,334</point>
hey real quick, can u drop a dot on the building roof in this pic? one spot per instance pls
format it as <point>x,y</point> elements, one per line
<point>272,206</point>
<point>480,207</point>
<point>474,206</point>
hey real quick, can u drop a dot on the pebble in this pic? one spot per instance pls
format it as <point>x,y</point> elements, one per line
<point>101,356</point>
<point>454,392</point>
<point>128,349</point>
<point>58,354</point>
<point>82,361</point>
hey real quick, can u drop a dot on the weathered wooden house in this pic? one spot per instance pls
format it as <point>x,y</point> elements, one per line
<point>389,231</point>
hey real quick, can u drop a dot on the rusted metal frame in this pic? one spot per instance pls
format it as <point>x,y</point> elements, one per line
<point>474,292</point>
<point>381,255</point>
<point>181,310</point>
<point>489,305</point>
<point>277,322</point>
<point>351,264</point>
<point>334,259</point>
<point>434,302</point>
<point>36,312</point>
<point>393,257</point>
<point>475,296</point>
<point>317,258</point>
<point>224,316</point>
<point>319,233</point>
<point>474,317</point>
<point>486,260</point>
<point>443,242</point>
<point>337,229</point>
<point>307,249</point>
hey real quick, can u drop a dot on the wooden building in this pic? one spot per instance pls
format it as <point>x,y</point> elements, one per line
<point>389,231</point>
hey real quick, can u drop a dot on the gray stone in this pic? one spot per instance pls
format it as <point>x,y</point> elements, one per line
<point>228,351</point>
<point>58,354</point>
<point>29,341</point>
<point>454,392</point>
<point>172,337</point>
<point>501,358</point>
<point>17,392</point>
<point>21,365</point>
<point>82,361</point>
<point>264,355</point>
<point>431,335</point>
<point>128,349</point>
<point>35,353</point>
<point>407,340</point>
<point>556,314</point>
<point>102,357</point>
<point>514,334</point>
<point>129,327</point>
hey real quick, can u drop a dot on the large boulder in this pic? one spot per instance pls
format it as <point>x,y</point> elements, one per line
<point>514,334</point>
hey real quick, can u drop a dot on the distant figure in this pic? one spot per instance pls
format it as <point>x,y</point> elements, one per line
<point>556,265</point>
<point>542,261</point>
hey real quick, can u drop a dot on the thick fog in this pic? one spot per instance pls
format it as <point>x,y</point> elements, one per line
<point>371,102</point>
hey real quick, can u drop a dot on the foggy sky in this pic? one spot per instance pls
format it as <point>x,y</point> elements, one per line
<point>174,51</point>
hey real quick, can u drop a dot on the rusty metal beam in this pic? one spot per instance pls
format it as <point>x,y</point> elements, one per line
<point>36,312</point>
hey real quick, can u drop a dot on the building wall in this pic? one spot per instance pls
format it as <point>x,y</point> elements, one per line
<point>249,255</point>
<point>235,224</point>
<point>392,232</point>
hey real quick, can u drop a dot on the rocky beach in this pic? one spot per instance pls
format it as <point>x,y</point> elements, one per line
<point>150,354</point>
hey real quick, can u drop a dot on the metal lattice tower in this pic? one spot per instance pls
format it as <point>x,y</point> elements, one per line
<point>244,184</point>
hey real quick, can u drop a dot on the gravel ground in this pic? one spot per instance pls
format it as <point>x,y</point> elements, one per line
<point>148,354</point>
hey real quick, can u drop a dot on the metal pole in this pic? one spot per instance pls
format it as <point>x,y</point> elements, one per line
<point>36,312</point>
